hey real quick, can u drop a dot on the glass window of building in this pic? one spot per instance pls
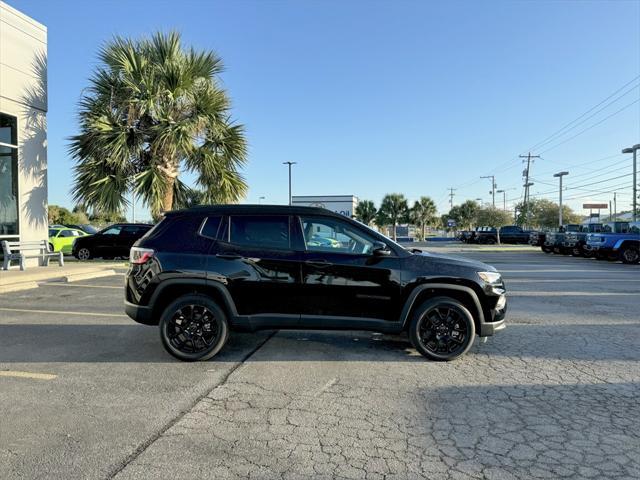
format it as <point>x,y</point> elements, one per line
<point>8,176</point>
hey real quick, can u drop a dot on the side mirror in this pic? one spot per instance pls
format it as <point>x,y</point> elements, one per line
<point>380,249</point>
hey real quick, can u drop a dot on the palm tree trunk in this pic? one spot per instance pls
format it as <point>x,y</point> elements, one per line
<point>394,230</point>
<point>167,200</point>
<point>169,168</point>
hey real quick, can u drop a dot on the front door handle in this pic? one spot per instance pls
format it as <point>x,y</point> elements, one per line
<point>228,256</point>
<point>317,263</point>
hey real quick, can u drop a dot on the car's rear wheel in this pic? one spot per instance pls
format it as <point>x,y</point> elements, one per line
<point>576,251</point>
<point>51,249</point>
<point>442,329</point>
<point>84,254</point>
<point>193,328</point>
<point>630,255</point>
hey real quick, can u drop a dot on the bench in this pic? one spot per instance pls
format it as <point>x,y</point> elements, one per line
<point>18,250</point>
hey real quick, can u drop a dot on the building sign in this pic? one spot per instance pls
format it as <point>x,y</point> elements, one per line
<point>595,206</point>
<point>342,204</point>
<point>451,223</point>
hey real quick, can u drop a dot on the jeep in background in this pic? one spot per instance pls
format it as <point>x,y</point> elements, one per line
<point>537,239</point>
<point>616,241</point>
<point>574,242</point>
<point>554,241</point>
<point>203,272</point>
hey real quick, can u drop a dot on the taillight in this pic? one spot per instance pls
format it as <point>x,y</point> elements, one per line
<point>139,255</point>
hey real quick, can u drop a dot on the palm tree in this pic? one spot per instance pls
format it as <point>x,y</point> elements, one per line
<point>154,111</point>
<point>423,213</point>
<point>393,209</point>
<point>366,212</point>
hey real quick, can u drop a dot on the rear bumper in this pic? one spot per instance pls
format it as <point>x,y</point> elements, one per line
<point>139,313</point>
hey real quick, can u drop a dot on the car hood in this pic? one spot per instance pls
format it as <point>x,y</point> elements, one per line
<point>454,261</point>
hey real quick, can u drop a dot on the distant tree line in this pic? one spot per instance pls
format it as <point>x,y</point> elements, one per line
<point>80,216</point>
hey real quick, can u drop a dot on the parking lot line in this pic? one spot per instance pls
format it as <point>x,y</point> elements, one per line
<point>573,294</point>
<point>63,312</point>
<point>81,285</point>
<point>33,375</point>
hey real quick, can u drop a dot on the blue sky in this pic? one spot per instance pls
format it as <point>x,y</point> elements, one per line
<point>376,97</point>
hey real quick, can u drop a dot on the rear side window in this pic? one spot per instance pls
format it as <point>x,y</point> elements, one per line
<point>179,234</point>
<point>210,227</point>
<point>264,231</point>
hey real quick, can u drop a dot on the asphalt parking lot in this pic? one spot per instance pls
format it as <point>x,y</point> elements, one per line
<point>86,393</point>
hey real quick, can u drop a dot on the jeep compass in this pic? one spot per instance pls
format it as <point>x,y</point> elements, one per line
<point>203,273</point>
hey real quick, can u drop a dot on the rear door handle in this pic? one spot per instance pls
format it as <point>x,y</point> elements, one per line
<point>228,256</point>
<point>317,263</point>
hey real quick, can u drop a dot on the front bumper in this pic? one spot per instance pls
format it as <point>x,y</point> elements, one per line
<point>497,317</point>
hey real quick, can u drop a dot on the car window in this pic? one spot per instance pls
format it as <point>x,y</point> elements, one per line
<point>134,230</point>
<point>52,232</point>
<point>112,231</point>
<point>263,231</point>
<point>210,227</point>
<point>68,233</point>
<point>332,235</point>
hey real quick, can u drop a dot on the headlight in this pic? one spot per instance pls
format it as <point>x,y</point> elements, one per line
<point>490,277</point>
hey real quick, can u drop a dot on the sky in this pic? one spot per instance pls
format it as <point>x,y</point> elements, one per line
<point>374,97</point>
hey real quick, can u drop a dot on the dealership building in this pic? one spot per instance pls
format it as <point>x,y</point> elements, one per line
<point>23,126</point>
<point>342,204</point>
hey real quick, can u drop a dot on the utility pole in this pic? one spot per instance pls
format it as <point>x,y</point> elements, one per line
<point>560,175</point>
<point>634,150</point>
<point>289,163</point>
<point>451,194</point>
<point>504,199</point>
<point>260,199</point>
<point>527,184</point>
<point>615,207</point>
<point>493,188</point>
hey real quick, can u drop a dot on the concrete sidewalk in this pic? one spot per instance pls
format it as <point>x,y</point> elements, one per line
<point>15,280</point>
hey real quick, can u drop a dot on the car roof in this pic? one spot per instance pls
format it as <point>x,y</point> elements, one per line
<point>256,209</point>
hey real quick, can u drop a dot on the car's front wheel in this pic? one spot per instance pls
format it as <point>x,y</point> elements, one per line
<point>630,255</point>
<point>193,328</point>
<point>442,329</point>
<point>84,254</point>
<point>576,251</point>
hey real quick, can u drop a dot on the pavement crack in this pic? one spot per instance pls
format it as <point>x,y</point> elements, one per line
<point>149,442</point>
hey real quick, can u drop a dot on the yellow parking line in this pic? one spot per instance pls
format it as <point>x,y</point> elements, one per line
<point>35,376</point>
<point>62,312</point>
<point>81,285</point>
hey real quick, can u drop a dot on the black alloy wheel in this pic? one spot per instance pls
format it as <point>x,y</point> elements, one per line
<point>442,329</point>
<point>630,255</point>
<point>193,328</point>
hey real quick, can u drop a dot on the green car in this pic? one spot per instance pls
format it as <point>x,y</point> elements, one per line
<point>61,238</point>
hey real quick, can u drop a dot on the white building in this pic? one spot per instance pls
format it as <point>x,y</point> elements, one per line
<point>23,126</point>
<point>343,204</point>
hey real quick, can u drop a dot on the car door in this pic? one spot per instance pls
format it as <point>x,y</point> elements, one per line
<point>104,243</point>
<point>128,235</point>
<point>255,257</point>
<point>341,277</point>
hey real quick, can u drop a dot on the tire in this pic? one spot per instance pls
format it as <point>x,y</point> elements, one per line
<point>51,247</point>
<point>84,254</point>
<point>457,318</point>
<point>546,249</point>
<point>490,241</point>
<point>630,255</point>
<point>197,311</point>
<point>576,251</point>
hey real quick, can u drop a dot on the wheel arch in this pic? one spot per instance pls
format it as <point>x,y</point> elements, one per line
<point>169,290</point>
<point>463,293</point>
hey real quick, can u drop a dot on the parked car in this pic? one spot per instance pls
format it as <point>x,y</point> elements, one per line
<point>574,242</point>
<point>617,241</point>
<point>114,241</point>
<point>85,227</point>
<point>508,234</point>
<point>61,239</point>
<point>554,241</point>
<point>203,272</point>
<point>537,239</point>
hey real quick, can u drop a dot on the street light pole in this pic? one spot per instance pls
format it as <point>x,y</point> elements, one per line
<point>560,175</point>
<point>260,199</point>
<point>493,188</point>
<point>634,150</point>
<point>289,163</point>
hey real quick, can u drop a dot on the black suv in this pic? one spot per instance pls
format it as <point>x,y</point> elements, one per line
<point>202,272</point>
<point>113,241</point>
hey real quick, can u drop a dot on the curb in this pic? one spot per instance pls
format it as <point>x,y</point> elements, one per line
<point>88,275</point>
<point>16,287</point>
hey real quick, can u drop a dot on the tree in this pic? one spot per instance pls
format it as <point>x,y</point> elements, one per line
<point>62,216</point>
<point>493,217</point>
<point>155,110</point>
<point>422,214</point>
<point>393,210</point>
<point>366,211</point>
<point>544,213</point>
<point>467,214</point>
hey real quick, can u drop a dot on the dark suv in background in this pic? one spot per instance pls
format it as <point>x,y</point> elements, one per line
<point>113,241</point>
<point>202,272</point>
